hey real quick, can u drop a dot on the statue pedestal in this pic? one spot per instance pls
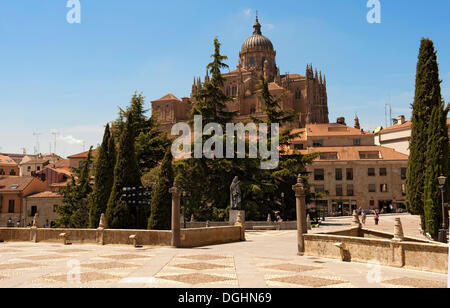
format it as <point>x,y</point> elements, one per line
<point>234,215</point>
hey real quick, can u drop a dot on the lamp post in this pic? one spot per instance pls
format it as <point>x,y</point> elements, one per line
<point>443,232</point>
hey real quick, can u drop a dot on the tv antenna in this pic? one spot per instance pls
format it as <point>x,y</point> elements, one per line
<point>37,149</point>
<point>55,135</point>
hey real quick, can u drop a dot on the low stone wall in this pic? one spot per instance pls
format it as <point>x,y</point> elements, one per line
<point>249,225</point>
<point>189,237</point>
<point>420,256</point>
<point>209,236</point>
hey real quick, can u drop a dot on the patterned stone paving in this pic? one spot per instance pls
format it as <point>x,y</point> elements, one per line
<point>196,278</point>
<point>292,267</point>
<point>204,257</point>
<point>201,266</point>
<point>408,282</point>
<point>126,257</point>
<point>9,251</point>
<point>109,265</point>
<point>308,281</point>
<point>44,257</point>
<point>14,266</point>
<point>84,277</point>
<point>71,250</point>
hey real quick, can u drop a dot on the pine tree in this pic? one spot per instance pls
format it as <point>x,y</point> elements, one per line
<point>437,164</point>
<point>74,212</point>
<point>119,214</point>
<point>104,178</point>
<point>210,102</point>
<point>427,96</point>
<point>161,205</point>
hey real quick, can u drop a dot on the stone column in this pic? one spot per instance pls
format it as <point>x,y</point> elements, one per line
<point>176,232</point>
<point>101,230</point>
<point>300,197</point>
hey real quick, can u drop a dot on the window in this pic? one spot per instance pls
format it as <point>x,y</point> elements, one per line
<point>319,174</point>
<point>371,172</point>
<point>338,174</point>
<point>234,91</point>
<point>299,146</point>
<point>38,168</point>
<point>11,206</point>
<point>404,189</point>
<point>328,156</point>
<point>319,188</point>
<point>350,190</point>
<point>372,188</point>
<point>369,155</point>
<point>2,172</point>
<point>403,172</point>
<point>383,188</point>
<point>252,110</point>
<point>372,203</point>
<point>33,210</point>
<point>349,174</point>
<point>252,61</point>
<point>383,172</point>
<point>356,142</point>
<point>339,190</point>
<point>298,94</point>
<point>317,143</point>
<point>29,168</point>
<point>12,172</point>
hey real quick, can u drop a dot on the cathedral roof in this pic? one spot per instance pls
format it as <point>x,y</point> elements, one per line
<point>168,97</point>
<point>257,40</point>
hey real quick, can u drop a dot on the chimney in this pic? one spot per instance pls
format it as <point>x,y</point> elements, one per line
<point>401,120</point>
<point>341,121</point>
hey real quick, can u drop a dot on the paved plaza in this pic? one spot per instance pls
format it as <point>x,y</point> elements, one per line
<point>267,260</point>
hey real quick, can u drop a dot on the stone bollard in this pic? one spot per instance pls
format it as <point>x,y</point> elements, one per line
<point>65,238</point>
<point>34,229</point>
<point>356,222</point>
<point>269,219</point>
<point>101,230</point>
<point>398,231</point>
<point>300,197</point>
<point>176,232</point>
<point>240,223</point>
<point>308,222</point>
<point>133,240</point>
<point>207,224</point>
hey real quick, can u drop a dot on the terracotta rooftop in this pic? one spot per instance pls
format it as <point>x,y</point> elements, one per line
<point>15,183</point>
<point>357,153</point>
<point>83,155</point>
<point>45,194</point>
<point>333,129</point>
<point>7,161</point>
<point>168,97</point>
<point>295,76</point>
<point>405,126</point>
<point>273,87</point>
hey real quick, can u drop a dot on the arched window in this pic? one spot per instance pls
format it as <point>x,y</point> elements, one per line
<point>252,62</point>
<point>252,110</point>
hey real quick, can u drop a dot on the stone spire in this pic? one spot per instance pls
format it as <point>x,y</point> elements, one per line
<point>357,125</point>
<point>207,76</point>
<point>257,26</point>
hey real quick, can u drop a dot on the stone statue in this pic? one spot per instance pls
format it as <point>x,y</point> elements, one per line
<point>235,194</point>
<point>35,219</point>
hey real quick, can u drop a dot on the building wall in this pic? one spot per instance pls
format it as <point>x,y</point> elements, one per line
<point>361,198</point>
<point>45,208</point>
<point>9,170</point>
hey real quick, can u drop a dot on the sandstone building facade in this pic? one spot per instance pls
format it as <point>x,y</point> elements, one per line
<point>305,94</point>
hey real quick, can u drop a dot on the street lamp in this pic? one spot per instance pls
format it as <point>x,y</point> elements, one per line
<point>443,232</point>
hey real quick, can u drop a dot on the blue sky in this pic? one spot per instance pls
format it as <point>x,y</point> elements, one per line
<point>71,78</point>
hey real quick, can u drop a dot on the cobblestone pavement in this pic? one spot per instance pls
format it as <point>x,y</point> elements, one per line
<point>266,260</point>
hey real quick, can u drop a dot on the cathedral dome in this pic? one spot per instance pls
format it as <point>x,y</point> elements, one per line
<point>257,40</point>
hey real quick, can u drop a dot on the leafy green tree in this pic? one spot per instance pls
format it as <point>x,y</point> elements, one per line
<point>119,214</point>
<point>161,204</point>
<point>74,211</point>
<point>427,96</point>
<point>437,164</point>
<point>104,178</point>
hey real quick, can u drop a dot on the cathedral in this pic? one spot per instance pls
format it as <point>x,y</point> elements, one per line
<point>305,94</point>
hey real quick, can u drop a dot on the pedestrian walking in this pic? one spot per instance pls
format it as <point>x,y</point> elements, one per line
<point>364,216</point>
<point>377,218</point>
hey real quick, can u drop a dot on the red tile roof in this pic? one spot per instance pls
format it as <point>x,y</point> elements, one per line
<point>45,194</point>
<point>7,161</point>
<point>333,129</point>
<point>9,183</point>
<point>83,155</point>
<point>168,97</point>
<point>352,153</point>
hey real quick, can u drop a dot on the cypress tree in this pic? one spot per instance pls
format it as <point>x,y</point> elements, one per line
<point>104,178</point>
<point>161,205</point>
<point>427,96</point>
<point>437,164</point>
<point>119,215</point>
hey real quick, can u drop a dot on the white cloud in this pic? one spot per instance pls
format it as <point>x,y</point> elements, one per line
<point>69,139</point>
<point>248,12</point>
<point>270,26</point>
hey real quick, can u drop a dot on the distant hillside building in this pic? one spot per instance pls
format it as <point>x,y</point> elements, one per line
<point>305,94</point>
